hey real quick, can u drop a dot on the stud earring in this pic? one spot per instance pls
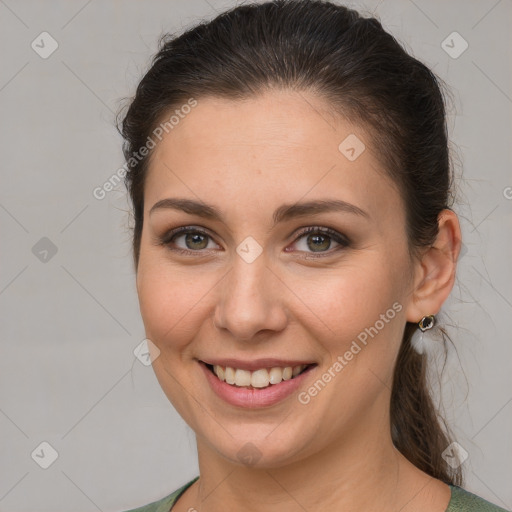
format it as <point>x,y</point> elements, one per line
<point>422,340</point>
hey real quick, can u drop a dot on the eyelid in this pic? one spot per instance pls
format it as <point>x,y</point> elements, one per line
<point>167,237</point>
<point>342,240</point>
<point>333,233</point>
<point>338,237</point>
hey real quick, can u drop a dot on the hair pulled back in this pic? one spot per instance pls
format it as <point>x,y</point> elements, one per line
<point>368,78</point>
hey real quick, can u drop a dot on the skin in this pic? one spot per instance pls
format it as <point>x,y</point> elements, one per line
<point>248,158</point>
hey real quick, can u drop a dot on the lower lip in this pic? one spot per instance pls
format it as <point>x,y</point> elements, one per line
<point>253,397</point>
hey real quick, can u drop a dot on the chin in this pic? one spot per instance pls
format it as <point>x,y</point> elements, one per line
<point>253,448</point>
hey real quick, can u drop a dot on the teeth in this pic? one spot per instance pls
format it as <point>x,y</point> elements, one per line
<point>258,379</point>
<point>229,375</point>
<point>296,370</point>
<point>242,378</point>
<point>276,375</point>
<point>219,371</point>
<point>287,373</point>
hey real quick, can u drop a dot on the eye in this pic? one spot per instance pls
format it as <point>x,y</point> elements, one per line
<point>319,239</point>
<point>193,239</point>
<point>311,240</point>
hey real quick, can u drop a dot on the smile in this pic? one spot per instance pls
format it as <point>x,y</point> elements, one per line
<point>260,378</point>
<point>261,383</point>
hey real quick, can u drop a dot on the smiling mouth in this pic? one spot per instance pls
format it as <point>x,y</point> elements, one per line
<point>259,379</point>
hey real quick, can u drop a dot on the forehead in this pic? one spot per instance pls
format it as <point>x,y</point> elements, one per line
<point>275,147</point>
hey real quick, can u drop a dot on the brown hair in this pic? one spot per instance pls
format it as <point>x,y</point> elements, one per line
<point>367,77</point>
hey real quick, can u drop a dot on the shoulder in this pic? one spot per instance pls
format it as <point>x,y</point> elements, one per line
<point>164,504</point>
<point>465,501</point>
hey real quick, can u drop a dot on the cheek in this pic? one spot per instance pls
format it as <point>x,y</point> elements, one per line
<point>348,299</point>
<point>171,302</point>
<point>362,309</point>
<point>364,313</point>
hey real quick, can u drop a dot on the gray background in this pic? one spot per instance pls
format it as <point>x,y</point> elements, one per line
<point>70,320</point>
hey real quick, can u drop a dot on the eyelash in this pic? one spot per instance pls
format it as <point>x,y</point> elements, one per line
<point>344,242</point>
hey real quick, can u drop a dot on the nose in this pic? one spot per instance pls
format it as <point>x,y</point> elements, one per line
<point>251,300</point>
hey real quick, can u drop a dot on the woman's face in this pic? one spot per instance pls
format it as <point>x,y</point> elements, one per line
<point>247,289</point>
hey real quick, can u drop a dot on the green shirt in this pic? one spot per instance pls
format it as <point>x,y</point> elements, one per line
<point>461,501</point>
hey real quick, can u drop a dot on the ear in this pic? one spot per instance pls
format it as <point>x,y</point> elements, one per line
<point>435,271</point>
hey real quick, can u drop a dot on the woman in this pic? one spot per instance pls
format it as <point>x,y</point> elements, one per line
<point>289,171</point>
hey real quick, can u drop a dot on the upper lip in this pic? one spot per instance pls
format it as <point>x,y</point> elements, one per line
<point>256,364</point>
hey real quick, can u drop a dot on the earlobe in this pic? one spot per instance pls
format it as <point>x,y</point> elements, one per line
<point>435,273</point>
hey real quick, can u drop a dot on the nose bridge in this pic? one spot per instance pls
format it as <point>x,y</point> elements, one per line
<point>249,301</point>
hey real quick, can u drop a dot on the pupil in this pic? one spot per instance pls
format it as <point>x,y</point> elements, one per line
<point>196,238</point>
<point>319,238</point>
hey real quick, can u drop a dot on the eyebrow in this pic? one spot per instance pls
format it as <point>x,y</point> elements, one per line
<point>283,213</point>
